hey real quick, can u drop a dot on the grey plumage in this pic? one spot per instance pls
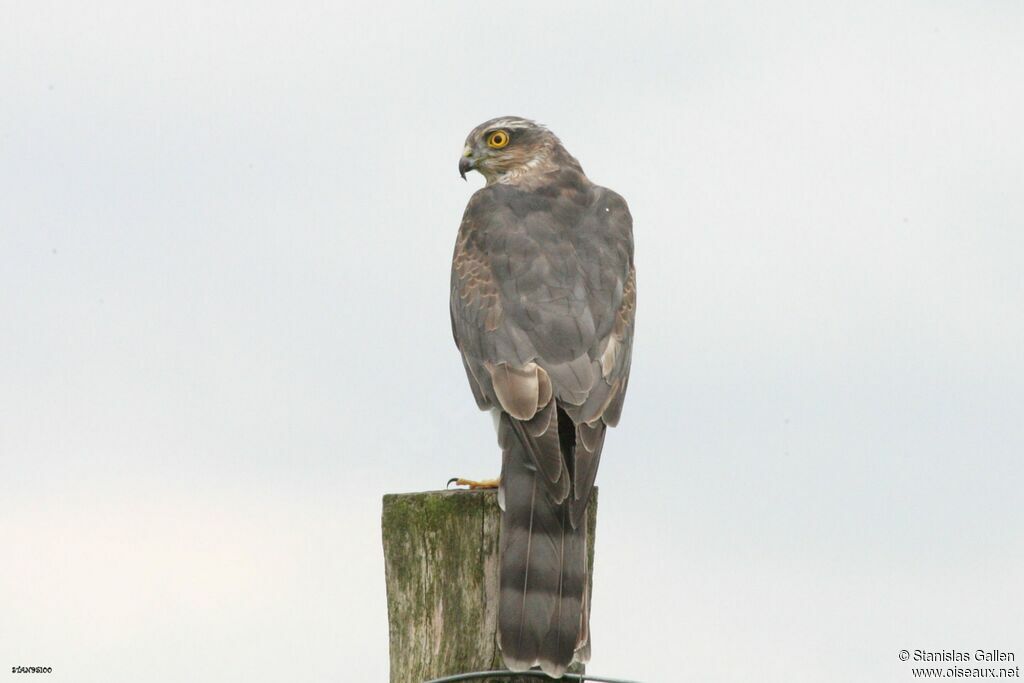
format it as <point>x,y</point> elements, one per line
<point>543,566</point>
<point>542,308</point>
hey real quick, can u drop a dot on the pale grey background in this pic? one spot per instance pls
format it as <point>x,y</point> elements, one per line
<point>225,237</point>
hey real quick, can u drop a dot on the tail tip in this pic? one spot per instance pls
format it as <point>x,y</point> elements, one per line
<point>552,669</point>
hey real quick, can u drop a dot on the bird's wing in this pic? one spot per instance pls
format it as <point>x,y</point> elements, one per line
<point>542,305</point>
<point>542,302</point>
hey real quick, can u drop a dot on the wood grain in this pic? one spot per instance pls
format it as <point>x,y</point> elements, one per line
<point>441,571</point>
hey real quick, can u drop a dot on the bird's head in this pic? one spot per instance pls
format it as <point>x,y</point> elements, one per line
<point>508,147</point>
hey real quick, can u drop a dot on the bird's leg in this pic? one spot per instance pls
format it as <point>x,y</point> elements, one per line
<point>473,484</point>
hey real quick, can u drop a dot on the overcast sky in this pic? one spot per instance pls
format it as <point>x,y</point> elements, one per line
<point>225,240</point>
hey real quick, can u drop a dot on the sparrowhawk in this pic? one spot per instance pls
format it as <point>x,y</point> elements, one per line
<point>543,294</point>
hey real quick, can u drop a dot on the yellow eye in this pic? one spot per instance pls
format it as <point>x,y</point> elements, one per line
<point>497,139</point>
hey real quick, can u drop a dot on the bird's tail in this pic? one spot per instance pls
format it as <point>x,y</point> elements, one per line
<point>542,611</point>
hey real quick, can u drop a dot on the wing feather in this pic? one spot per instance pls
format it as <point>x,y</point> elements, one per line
<point>543,298</point>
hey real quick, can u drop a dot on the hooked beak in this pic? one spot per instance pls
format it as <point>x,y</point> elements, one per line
<point>466,162</point>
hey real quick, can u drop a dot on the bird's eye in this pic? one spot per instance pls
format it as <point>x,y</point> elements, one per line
<point>497,139</point>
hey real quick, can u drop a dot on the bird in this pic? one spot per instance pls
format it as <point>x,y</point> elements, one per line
<point>543,301</point>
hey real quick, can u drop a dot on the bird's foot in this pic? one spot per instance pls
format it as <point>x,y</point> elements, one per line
<point>473,484</point>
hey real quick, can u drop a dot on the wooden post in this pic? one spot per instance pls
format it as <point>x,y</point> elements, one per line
<point>441,567</point>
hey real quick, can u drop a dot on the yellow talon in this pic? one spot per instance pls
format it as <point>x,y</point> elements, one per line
<point>473,484</point>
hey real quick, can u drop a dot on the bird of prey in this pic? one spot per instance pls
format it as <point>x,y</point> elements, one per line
<point>543,293</point>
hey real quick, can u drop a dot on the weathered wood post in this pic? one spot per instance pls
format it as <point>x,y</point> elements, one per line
<point>441,567</point>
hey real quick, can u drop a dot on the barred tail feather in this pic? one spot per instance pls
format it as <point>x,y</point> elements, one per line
<point>543,570</point>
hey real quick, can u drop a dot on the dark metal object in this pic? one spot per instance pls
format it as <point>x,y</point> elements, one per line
<point>482,675</point>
